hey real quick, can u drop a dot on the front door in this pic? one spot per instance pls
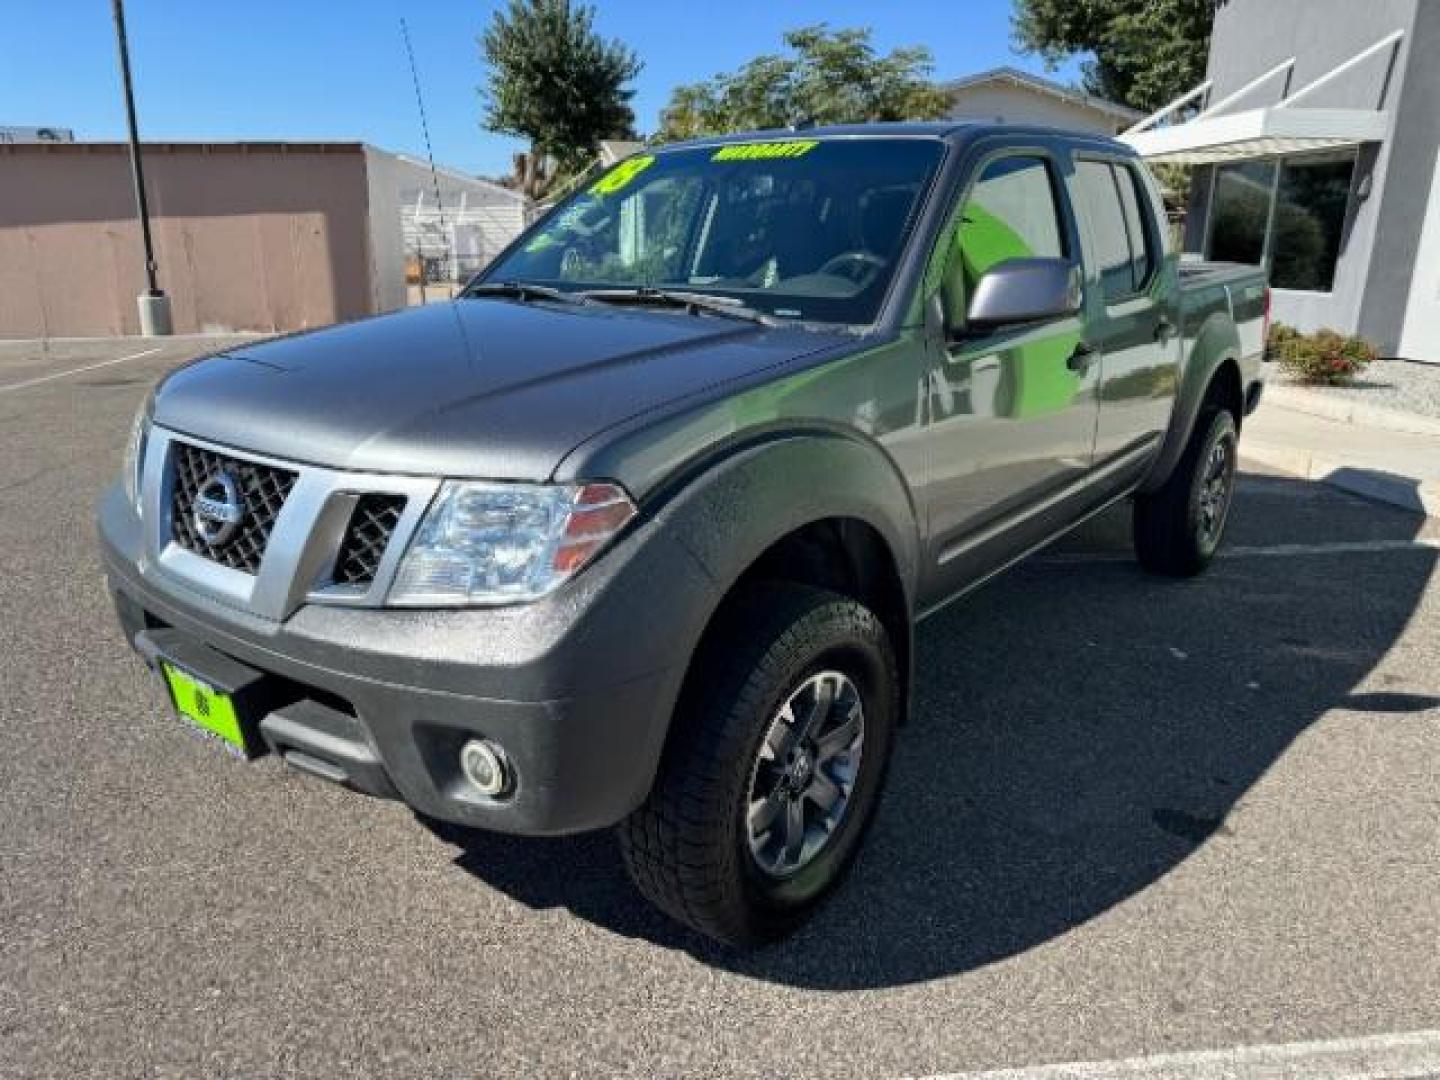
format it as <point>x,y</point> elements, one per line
<point>1012,411</point>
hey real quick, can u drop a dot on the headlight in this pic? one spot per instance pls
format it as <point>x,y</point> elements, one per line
<point>134,461</point>
<point>490,543</point>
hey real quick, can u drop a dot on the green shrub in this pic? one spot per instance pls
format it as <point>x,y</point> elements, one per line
<point>1324,357</point>
<point>1282,336</point>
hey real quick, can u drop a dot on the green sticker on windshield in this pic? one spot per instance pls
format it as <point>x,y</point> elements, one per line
<point>619,178</point>
<point>765,151</point>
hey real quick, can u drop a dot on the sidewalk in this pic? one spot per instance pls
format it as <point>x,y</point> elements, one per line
<point>1396,467</point>
<point>1338,404</point>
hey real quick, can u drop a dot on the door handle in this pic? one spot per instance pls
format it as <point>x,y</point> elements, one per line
<point>1079,358</point>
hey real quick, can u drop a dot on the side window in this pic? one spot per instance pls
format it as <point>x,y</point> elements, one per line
<point>1111,257</point>
<point>1142,246</point>
<point>1124,251</point>
<point>1010,213</point>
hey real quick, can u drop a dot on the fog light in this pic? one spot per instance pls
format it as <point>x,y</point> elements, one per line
<point>484,766</point>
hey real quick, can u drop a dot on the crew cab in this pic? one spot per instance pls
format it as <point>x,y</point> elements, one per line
<point>635,532</point>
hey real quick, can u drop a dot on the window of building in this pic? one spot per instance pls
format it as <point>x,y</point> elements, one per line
<point>1293,223</point>
<point>1240,211</point>
<point>1309,221</point>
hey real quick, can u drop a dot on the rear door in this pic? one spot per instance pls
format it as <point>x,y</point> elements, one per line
<point>1012,410</point>
<point>1131,318</point>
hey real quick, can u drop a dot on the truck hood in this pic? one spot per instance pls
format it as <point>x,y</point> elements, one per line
<point>491,388</point>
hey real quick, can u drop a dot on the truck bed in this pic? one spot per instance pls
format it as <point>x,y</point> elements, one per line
<point>1236,289</point>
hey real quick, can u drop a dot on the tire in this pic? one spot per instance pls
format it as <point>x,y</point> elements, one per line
<point>690,848</point>
<point>1179,528</point>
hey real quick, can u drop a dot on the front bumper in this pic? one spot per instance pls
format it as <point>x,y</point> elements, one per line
<point>577,689</point>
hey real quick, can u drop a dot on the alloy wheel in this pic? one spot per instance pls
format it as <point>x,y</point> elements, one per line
<point>804,775</point>
<point>1213,494</point>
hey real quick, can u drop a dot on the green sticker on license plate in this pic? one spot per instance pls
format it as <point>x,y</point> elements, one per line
<point>204,706</point>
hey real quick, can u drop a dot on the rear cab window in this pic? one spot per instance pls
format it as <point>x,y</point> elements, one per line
<point>1121,245</point>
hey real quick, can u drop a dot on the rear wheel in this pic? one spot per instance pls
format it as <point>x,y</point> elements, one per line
<point>1178,529</point>
<point>774,766</point>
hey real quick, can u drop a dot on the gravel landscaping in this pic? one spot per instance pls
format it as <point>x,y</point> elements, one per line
<point>1390,384</point>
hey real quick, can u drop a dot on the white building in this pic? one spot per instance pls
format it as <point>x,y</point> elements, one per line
<point>1012,96</point>
<point>1315,139</point>
<point>456,234</point>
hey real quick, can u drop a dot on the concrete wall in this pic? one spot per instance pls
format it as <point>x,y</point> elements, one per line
<point>1405,195</point>
<point>387,249</point>
<point>1018,104</point>
<point>1381,236</point>
<point>1251,36</point>
<point>1420,340</point>
<point>248,237</point>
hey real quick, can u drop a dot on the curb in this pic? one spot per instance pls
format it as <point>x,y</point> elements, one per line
<point>108,339</point>
<point>1315,403</point>
<point>1417,496</point>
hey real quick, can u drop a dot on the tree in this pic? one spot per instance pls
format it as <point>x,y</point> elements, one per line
<point>556,82</point>
<point>1145,53</point>
<point>829,77</point>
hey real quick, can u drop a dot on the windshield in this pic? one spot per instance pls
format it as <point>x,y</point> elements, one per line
<point>795,228</point>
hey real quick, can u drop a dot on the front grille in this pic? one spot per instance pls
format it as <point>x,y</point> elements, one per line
<point>262,490</point>
<point>366,537</point>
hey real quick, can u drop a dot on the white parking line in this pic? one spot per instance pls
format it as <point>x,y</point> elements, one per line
<point>1397,1056</point>
<point>1342,547</point>
<point>76,371</point>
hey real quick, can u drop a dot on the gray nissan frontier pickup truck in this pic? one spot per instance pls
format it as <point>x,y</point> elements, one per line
<point>635,531</point>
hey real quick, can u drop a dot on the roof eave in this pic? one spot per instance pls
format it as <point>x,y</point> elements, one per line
<point>1044,86</point>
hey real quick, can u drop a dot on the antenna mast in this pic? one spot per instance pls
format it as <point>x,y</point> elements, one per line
<point>430,155</point>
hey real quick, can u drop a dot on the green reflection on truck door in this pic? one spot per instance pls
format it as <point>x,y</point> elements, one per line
<point>1010,422</point>
<point>1033,378</point>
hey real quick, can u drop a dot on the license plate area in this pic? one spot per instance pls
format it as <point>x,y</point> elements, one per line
<point>210,710</point>
<point>214,693</point>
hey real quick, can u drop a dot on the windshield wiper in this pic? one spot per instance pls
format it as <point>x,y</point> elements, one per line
<point>523,291</point>
<point>693,302</point>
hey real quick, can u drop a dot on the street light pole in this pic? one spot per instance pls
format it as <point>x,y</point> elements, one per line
<point>154,304</point>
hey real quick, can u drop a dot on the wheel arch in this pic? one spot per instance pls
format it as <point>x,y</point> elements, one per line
<point>848,556</point>
<point>814,508</point>
<point>1213,372</point>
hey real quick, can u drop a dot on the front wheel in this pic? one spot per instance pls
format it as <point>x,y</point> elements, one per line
<point>774,766</point>
<point>1178,529</point>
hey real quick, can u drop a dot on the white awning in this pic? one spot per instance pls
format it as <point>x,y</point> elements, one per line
<point>1270,132</point>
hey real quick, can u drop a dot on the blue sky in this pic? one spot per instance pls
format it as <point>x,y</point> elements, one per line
<point>313,69</point>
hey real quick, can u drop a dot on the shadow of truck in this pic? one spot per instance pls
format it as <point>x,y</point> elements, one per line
<point>1079,729</point>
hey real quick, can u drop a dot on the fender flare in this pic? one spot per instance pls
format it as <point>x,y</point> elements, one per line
<point>727,510</point>
<point>1216,344</point>
<point>649,603</point>
<point>784,482</point>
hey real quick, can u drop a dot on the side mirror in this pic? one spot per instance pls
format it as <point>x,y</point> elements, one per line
<point>1024,290</point>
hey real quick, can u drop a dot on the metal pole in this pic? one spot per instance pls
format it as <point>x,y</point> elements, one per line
<point>154,307</point>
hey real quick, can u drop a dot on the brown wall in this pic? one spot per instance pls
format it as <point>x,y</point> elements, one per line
<point>247,237</point>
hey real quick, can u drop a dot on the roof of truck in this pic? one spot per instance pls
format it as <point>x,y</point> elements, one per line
<point>949,130</point>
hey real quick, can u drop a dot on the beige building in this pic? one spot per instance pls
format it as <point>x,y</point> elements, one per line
<point>1012,96</point>
<point>248,236</point>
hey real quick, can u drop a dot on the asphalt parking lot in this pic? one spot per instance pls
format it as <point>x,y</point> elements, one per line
<point>1129,817</point>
